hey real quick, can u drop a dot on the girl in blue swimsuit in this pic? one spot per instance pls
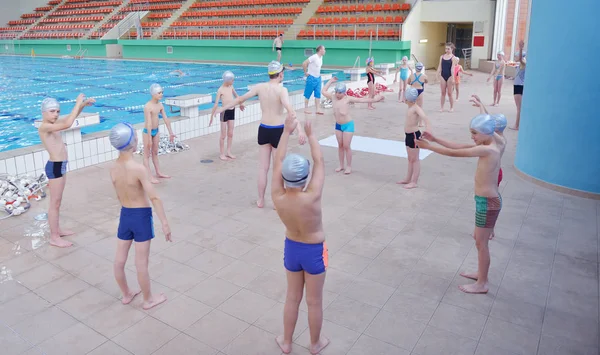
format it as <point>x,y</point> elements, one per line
<point>405,71</point>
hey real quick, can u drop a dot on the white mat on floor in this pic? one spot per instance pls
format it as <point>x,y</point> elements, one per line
<point>375,145</point>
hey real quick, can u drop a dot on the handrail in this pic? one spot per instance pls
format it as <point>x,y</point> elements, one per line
<point>356,63</point>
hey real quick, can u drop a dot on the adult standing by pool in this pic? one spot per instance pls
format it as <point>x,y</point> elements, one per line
<point>277,45</point>
<point>312,71</point>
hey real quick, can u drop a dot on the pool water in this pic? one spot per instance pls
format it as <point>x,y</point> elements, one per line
<point>119,87</point>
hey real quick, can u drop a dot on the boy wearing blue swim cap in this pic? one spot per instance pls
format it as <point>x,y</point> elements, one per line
<point>344,125</point>
<point>488,201</point>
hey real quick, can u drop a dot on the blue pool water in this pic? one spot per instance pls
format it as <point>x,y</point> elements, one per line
<point>119,87</point>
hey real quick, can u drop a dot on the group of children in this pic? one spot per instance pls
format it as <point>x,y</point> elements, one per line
<point>296,197</point>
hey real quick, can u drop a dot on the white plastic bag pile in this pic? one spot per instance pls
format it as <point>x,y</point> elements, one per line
<point>164,146</point>
<point>15,193</point>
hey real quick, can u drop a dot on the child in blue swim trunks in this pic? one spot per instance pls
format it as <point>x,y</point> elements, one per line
<point>151,136</point>
<point>298,204</point>
<point>133,187</point>
<point>344,125</point>
<point>405,71</point>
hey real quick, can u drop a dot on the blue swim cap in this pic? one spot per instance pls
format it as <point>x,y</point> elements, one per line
<point>295,170</point>
<point>484,124</point>
<point>340,88</point>
<point>419,66</point>
<point>411,94</point>
<point>121,136</point>
<point>501,122</point>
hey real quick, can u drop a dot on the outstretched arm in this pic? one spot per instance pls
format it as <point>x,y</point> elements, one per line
<point>60,125</point>
<point>317,181</point>
<point>446,143</point>
<point>285,101</point>
<point>239,100</point>
<point>471,152</point>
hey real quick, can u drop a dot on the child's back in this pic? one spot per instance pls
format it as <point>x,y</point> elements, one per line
<point>125,175</point>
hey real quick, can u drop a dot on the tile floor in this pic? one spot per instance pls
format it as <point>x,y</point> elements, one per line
<point>395,257</point>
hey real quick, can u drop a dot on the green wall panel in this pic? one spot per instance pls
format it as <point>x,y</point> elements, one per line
<point>95,48</point>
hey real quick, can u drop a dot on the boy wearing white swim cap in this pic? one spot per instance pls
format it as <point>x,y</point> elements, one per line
<point>150,133</point>
<point>488,201</point>
<point>133,187</point>
<point>226,94</point>
<point>56,167</point>
<point>344,125</point>
<point>414,116</point>
<point>305,255</point>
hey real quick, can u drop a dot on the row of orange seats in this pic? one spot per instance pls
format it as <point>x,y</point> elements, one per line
<point>363,8</point>
<point>109,25</point>
<point>146,34</point>
<point>73,19</point>
<point>353,20</point>
<point>39,14</point>
<point>81,12</point>
<point>145,1</point>
<point>68,1</point>
<point>160,15</point>
<point>245,3</point>
<point>62,27</point>
<point>54,35</point>
<point>267,11</point>
<point>91,4</point>
<point>54,2</point>
<point>350,33</point>
<point>43,8</point>
<point>13,28</point>
<point>21,22</point>
<point>257,22</point>
<point>152,24</point>
<point>153,7</point>
<point>221,33</point>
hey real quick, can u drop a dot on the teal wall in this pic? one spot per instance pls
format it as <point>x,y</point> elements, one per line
<point>339,53</point>
<point>95,48</point>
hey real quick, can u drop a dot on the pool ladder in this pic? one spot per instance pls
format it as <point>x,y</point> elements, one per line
<point>81,53</point>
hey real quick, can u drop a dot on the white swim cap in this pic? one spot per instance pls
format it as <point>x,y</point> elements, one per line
<point>50,104</point>
<point>121,136</point>
<point>295,170</point>
<point>155,89</point>
<point>228,76</point>
<point>405,58</point>
<point>340,88</point>
<point>484,124</point>
<point>501,122</point>
<point>419,66</point>
<point>501,53</point>
<point>274,67</point>
<point>411,94</point>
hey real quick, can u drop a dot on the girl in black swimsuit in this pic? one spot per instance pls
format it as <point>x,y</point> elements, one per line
<point>371,72</point>
<point>447,82</point>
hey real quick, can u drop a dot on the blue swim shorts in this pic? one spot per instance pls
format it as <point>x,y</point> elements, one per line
<point>312,258</point>
<point>55,169</point>
<point>136,224</point>
<point>313,85</point>
<point>154,131</point>
<point>346,127</point>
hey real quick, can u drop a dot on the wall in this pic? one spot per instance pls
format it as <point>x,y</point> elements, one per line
<point>521,25</point>
<point>339,53</point>
<point>558,138</point>
<point>95,48</point>
<point>435,32</point>
<point>462,11</point>
<point>13,9</point>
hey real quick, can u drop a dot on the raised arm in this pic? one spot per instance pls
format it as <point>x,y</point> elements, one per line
<point>142,175</point>
<point>325,90</point>
<point>317,181</point>
<point>239,100</point>
<point>60,125</point>
<point>521,58</point>
<point>477,103</point>
<point>285,101</point>
<point>277,186</point>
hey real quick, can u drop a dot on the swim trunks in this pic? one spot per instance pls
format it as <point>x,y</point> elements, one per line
<point>346,127</point>
<point>154,131</point>
<point>499,76</point>
<point>136,224</point>
<point>499,176</point>
<point>277,48</point>
<point>228,115</point>
<point>313,85</point>
<point>487,210</point>
<point>56,169</point>
<point>312,258</point>
<point>269,135</point>
<point>518,90</point>
<point>409,140</point>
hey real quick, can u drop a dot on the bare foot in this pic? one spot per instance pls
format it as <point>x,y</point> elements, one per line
<point>474,288</point>
<point>339,169</point>
<point>223,157</point>
<point>472,276</point>
<point>127,299</point>
<point>57,242</point>
<point>451,110</point>
<point>492,235</point>
<point>371,108</point>
<point>65,233</point>
<point>442,109</point>
<point>285,348</point>
<point>348,171</point>
<point>319,346</point>
<point>260,203</point>
<point>163,176</point>
<point>154,180</point>
<point>514,128</point>
<point>403,182</point>
<point>308,112</point>
<point>320,113</point>
<point>229,155</point>
<point>411,185</point>
<point>154,302</point>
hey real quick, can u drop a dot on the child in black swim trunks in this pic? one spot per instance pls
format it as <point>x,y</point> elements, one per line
<point>226,94</point>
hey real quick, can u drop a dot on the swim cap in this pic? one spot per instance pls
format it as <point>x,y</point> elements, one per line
<point>370,59</point>
<point>340,88</point>
<point>501,122</point>
<point>295,170</point>
<point>121,135</point>
<point>50,104</point>
<point>419,66</point>
<point>411,94</point>
<point>501,53</point>
<point>484,124</point>
<point>155,89</point>
<point>405,58</point>
<point>228,76</point>
<point>274,67</point>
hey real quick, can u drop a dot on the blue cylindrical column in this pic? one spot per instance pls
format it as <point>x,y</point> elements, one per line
<point>559,138</point>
